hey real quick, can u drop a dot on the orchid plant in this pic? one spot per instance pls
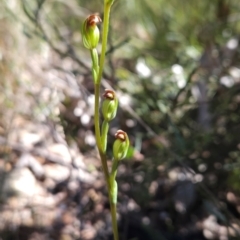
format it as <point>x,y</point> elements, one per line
<point>90,37</point>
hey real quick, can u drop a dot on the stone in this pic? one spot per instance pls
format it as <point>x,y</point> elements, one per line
<point>56,172</point>
<point>61,151</point>
<point>27,160</point>
<point>19,182</point>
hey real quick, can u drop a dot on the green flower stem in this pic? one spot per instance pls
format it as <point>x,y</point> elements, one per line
<point>95,67</point>
<point>114,168</point>
<point>98,135</point>
<point>105,128</point>
<point>113,207</point>
<point>113,204</point>
<point>113,183</point>
<point>107,8</point>
<point>113,195</point>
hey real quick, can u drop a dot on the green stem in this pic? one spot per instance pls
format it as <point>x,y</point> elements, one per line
<point>104,161</point>
<point>105,127</point>
<point>95,67</point>
<point>113,207</point>
<point>98,134</point>
<point>107,8</point>
<point>114,168</point>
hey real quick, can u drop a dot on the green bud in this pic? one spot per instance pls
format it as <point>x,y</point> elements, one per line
<point>109,105</point>
<point>120,146</point>
<point>90,32</point>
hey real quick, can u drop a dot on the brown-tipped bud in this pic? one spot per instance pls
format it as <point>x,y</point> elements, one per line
<point>90,31</point>
<point>109,106</point>
<point>121,145</point>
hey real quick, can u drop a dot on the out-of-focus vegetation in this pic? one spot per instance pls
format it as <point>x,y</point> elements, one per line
<point>175,65</point>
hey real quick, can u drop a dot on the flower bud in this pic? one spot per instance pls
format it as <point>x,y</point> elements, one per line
<point>109,105</point>
<point>120,146</point>
<point>90,32</point>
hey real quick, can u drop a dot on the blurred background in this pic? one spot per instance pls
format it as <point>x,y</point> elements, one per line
<point>175,66</point>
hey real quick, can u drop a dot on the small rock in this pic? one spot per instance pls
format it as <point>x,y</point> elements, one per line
<point>27,160</point>
<point>43,217</point>
<point>49,183</point>
<point>62,151</point>
<point>78,162</point>
<point>57,172</point>
<point>21,182</point>
<point>29,139</point>
<point>83,176</point>
<point>88,233</point>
